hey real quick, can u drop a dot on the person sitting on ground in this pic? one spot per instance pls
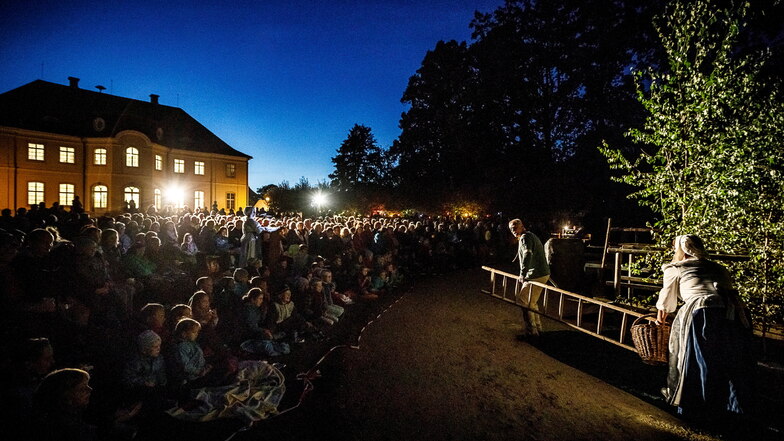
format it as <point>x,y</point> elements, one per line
<point>255,337</point>
<point>152,317</point>
<point>186,364</point>
<point>285,318</point>
<point>144,374</point>
<point>301,260</point>
<point>202,310</point>
<point>331,290</point>
<point>207,317</point>
<point>254,316</point>
<point>241,285</point>
<point>379,283</point>
<point>254,267</point>
<point>188,245</point>
<point>362,285</point>
<point>394,278</point>
<point>328,312</point>
<point>205,284</point>
<point>59,404</point>
<point>29,365</point>
<point>176,313</point>
<point>213,333</point>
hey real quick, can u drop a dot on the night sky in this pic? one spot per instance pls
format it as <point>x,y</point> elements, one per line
<point>282,81</point>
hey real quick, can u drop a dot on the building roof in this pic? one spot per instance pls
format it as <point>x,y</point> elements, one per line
<point>68,110</point>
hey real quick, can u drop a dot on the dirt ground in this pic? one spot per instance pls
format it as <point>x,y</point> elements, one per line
<point>442,363</point>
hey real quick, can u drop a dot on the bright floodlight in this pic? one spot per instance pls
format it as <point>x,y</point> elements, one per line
<point>319,199</point>
<point>175,195</point>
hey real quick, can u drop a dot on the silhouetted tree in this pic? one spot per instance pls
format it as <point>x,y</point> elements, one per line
<point>524,106</point>
<point>358,161</point>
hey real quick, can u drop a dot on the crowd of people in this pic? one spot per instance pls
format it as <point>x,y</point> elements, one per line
<point>148,306</point>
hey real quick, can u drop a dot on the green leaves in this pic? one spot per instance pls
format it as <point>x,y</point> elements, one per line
<point>715,133</point>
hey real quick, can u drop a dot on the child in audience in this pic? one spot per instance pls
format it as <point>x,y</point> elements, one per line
<point>285,318</point>
<point>328,312</point>
<point>186,363</point>
<point>378,284</point>
<point>362,285</point>
<point>205,284</point>
<point>256,338</point>
<point>254,316</point>
<point>144,374</point>
<point>330,289</point>
<point>241,282</point>
<point>201,309</point>
<point>154,318</point>
<point>178,312</point>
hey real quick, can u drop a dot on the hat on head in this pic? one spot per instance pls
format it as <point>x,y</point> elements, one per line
<point>147,340</point>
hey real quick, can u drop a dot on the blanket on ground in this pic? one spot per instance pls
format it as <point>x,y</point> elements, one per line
<point>254,396</point>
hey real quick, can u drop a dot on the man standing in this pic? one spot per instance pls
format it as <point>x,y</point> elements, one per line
<point>533,268</point>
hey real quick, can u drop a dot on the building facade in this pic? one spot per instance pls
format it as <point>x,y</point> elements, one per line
<point>58,142</point>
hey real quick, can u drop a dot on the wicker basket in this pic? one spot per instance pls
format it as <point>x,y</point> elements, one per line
<point>651,340</point>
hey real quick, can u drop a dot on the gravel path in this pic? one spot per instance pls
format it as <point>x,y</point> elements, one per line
<point>443,364</point>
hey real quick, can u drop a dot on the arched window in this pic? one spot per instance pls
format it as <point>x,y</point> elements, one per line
<point>100,196</point>
<point>158,198</point>
<point>132,194</point>
<point>131,157</point>
<point>99,157</point>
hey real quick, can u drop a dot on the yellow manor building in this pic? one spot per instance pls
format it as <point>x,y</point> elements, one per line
<point>58,142</point>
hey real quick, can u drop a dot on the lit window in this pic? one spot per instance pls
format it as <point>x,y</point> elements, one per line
<point>67,155</point>
<point>99,157</point>
<point>100,196</point>
<point>132,194</point>
<point>198,168</point>
<point>131,157</point>
<point>158,198</point>
<point>35,152</point>
<point>231,170</point>
<point>35,193</point>
<point>158,162</point>
<point>179,166</point>
<point>198,199</point>
<point>230,197</point>
<point>66,194</point>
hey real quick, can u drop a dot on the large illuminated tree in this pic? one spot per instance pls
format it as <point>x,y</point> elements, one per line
<point>712,161</point>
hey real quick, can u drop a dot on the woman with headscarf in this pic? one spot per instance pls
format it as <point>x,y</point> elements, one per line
<point>709,352</point>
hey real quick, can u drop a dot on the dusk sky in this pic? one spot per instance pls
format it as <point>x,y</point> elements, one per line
<point>282,81</point>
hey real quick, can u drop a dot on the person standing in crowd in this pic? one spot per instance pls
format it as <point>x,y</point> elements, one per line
<point>710,360</point>
<point>250,234</point>
<point>533,268</point>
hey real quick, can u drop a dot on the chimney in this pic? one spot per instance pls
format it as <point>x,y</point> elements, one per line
<point>154,98</point>
<point>74,82</point>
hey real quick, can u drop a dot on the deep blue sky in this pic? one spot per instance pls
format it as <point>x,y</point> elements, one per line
<point>282,81</point>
